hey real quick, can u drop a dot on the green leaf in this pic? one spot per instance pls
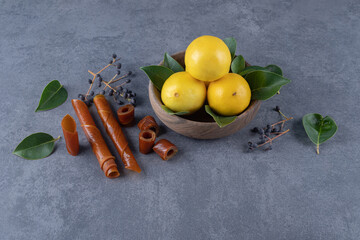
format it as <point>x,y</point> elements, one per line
<point>264,84</point>
<point>238,64</point>
<point>269,68</point>
<point>171,112</point>
<point>319,129</point>
<point>36,146</point>
<point>275,69</point>
<point>157,74</point>
<point>222,121</point>
<point>231,43</point>
<point>171,63</point>
<point>251,69</point>
<point>53,95</point>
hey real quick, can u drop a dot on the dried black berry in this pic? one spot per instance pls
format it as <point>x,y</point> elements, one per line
<point>277,108</point>
<point>102,92</point>
<point>98,76</point>
<point>87,102</point>
<point>133,94</point>
<point>111,92</point>
<point>99,84</point>
<point>128,80</point>
<point>90,81</point>
<point>118,72</point>
<point>261,131</point>
<point>92,93</point>
<point>80,96</point>
<point>268,127</point>
<point>120,102</point>
<point>250,144</point>
<point>120,88</point>
<point>133,101</point>
<point>118,66</point>
<point>255,130</point>
<point>125,90</point>
<point>91,100</point>
<point>129,73</point>
<point>114,55</point>
<point>111,61</point>
<point>118,93</point>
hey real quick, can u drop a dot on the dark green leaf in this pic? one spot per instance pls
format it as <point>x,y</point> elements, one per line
<point>171,63</point>
<point>319,129</point>
<point>157,74</point>
<point>275,69</point>
<point>269,68</point>
<point>250,69</point>
<point>222,121</point>
<point>53,95</point>
<point>171,112</point>
<point>36,146</point>
<point>264,84</point>
<point>238,64</point>
<point>231,43</point>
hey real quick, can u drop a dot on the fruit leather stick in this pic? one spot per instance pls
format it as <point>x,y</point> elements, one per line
<point>97,142</point>
<point>68,126</point>
<point>116,134</point>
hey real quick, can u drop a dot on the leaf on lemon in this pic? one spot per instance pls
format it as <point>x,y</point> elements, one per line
<point>171,112</point>
<point>238,64</point>
<point>221,121</point>
<point>171,63</point>
<point>36,146</point>
<point>231,43</point>
<point>53,95</point>
<point>157,74</point>
<point>265,84</point>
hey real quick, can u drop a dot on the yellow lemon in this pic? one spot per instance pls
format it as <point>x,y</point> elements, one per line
<point>182,92</point>
<point>230,95</point>
<point>207,58</point>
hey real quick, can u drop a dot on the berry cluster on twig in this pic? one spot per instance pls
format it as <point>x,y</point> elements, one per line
<point>119,93</point>
<point>269,133</point>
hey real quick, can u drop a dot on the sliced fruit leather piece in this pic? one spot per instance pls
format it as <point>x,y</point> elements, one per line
<point>97,142</point>
<point>149,122</point>
<point>165,149</point>
<point>126,114</point>
<point>68,126</point>
<point>146,141</point>
<point>117,136</point>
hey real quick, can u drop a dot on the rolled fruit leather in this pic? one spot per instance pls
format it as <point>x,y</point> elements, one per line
<point>116,134</point>
<point>68,126</point>
<point>97,142</point>
<point>148,122</point>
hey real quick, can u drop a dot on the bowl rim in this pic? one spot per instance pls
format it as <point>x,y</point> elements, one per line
<point>154,92</point>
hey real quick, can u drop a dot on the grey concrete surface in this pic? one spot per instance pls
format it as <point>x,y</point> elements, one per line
<point>211,189</point>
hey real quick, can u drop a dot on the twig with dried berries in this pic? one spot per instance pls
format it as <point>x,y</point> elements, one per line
<point>269,133</point>
<point>116,92</point>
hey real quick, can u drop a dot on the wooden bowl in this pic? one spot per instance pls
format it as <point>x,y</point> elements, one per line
<point>199,125</point>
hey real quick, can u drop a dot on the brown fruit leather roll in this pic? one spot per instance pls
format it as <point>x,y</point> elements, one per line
<point>68,126</point>
<point>165,149</point>
<point>126,114</point>
<point>146,141</point>
<point>97,142</point>
<point>148,122</point>
<point>116,134</point>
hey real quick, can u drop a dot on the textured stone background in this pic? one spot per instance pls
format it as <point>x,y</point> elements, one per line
<point>211,189</point>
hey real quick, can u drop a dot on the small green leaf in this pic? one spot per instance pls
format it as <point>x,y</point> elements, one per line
<point>319,129</point>
<point>222,121</point>
<point>238,64</point>
<point>171,63</point>
<point>275,69</point>
<point>53,95</point>
<point>171,112</point>
<point>157,74</point>
<point>36,146</point>
<point>264,84</point>
<point>231,43</point>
